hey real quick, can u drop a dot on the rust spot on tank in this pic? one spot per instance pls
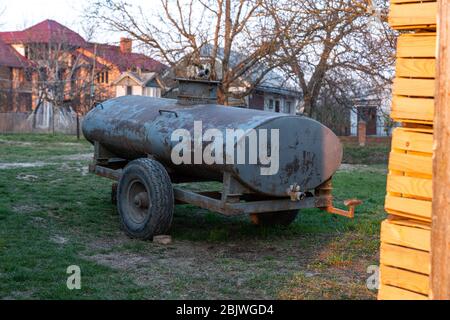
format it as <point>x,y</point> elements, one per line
<point>293,167</point>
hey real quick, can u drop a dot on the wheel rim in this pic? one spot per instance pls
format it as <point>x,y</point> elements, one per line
<point>138,201</point>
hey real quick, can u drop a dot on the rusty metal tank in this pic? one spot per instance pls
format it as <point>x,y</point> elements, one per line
<point>132,127</point>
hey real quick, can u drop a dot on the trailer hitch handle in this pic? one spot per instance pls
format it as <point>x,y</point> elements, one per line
<point>350,213</point>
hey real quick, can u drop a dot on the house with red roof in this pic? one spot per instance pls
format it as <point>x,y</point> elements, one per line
<point>15,82</point>
<point>125,72</point>
<point>58,56</point>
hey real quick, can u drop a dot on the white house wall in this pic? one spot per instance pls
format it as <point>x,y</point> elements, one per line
<point>283,104</point>
<point>139,91</point>
<point>152,92</point>
<point>121,91</point>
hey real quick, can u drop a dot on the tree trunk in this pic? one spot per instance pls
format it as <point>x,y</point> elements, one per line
<point>222,96</point>
<point>307,105</point>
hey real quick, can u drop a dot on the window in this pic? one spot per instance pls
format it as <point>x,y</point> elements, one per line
<point>271,103</point>
<point>129,90</point>
<point>27,52</point>
<point>29,75</point>
<point>288,107</point>
<point>152,92</point>
<point>103,77</point>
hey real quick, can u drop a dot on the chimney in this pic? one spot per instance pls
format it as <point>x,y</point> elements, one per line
<point>126,45</point>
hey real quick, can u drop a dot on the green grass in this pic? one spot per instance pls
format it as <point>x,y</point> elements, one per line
<point>376,153</point>
<point>56,215</point>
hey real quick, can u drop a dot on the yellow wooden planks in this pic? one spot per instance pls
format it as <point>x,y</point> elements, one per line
<point>410,186</point>
<point>409,234</point>
<point>412,140</point>
<point>414,87</point>
<point>405,279</point>
<point>393,293</point>
<point>406,237</point>
<point>416,68</point>
<point>415,84</point>
<point>412,109</point>
<point>405,258</point>
<point>411,163</point>
<point>418,45</point>
<point>405,262</point>
<point>413,15</point>
<point>407,207</point>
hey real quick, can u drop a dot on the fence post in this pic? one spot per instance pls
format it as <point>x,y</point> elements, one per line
<point>440,233</point>
<point>362,133</point>
<point>78,126</point>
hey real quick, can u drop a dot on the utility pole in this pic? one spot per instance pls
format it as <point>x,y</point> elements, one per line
<point>440,234</point>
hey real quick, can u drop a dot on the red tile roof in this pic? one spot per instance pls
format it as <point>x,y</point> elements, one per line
<point>47,31</point>
<point>10,57</point>
<point>126,61</point>
<point>50,31</point>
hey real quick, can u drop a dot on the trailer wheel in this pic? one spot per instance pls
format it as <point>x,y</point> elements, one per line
<point>266,219</point>
<point>145,199</point>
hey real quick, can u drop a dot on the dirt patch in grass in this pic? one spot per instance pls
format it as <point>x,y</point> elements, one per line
<point>251,269</point>
<point>74,157</point>
<point>25,209</point>
<point>214,272</point>
<point>26,165</point>
<point>19,295</point>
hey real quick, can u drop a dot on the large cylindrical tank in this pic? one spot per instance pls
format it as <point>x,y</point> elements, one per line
<point>132,127</point>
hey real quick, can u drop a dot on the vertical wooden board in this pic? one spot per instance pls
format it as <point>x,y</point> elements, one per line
<point>422,45</point>
<point>413,14</point>
<point>410,140</point>
<point>404,108</point>
<point>440,280</point>
<point>405,258</point>
<point>404,279</point>
<point>387,292</point>
<point>411,207</point>
<point>414,87</point>
<point>406,236</point>
<point>411,163</point>
<point>416,68</point>
<point>410,186</point>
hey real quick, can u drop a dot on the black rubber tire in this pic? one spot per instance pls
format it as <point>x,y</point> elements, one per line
<point>155,218</point>
<point>267,219</point>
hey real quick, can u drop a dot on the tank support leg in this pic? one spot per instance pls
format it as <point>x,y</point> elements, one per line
<point>232,189</point>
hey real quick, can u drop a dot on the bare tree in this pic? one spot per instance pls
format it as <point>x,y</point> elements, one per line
<point>182,29</point>
<point>63,76</point>
<point>345,45</point>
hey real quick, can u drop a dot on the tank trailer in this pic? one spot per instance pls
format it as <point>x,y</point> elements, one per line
<point>272,166</point>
